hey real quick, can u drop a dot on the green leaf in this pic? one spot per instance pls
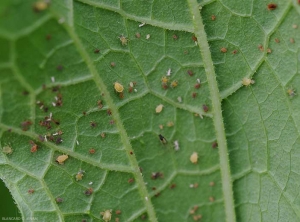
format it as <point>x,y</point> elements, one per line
<point>59,68</point>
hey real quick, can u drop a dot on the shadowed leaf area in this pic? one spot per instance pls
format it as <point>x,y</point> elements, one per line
<point>109,109</point>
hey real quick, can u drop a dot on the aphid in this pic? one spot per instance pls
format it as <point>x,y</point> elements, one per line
<point>194,158</point>
<point>174,84</point>
<point>112,64</point>
<point>109,112</point>
<point>48,37</point>
<point>93,124</point>
<point>164,86</point>
<point>247,81</point>
<point>213,17</point>
<point>30,191</point>
<point>103,135</point>
<point>59,68</point>
<point>194,38</point>
<point>212,183</point>
<point>164,79</point>
<point>153,188</point>
<point>261,48</point>
<point>58,200</point>
<point>99,103</point>
<point>159,108</point>
<point>205,108</point>
<point>88,192</point>
<point>106,215</point>
<point>223,49</point>
<point>130,180</point>
<point>234,52</point>
<point>169,72</point>
<point>61,159</point>
<point>162,139</point>
<point>138,35</point>
<point>40,6</point>
<point>269,50</point>
<point>173,185</point>
<point>148,36</point>
<point>144,216</point>
<point>52,79</point>
<point>25,125</point>
<point>161,126</point>
<point>295,26</point>
<point>197,217</point>
<point>292,40</point>
<point>214,145</point>
<point>118,212</point>
<point>34,147</point>
<point>156,175</point>
<point>157,194</point>
<point>131,153</point>
<point>111,122</point>
<point>291,92</point>
<point>7,150</point>
<point>272,6</point>
<point>170,124</point>
<point>211,199</point>
<point>123,40</point>
<point>190,72</point>
<point>79,175</point>
<point>195,208</point>
<point>176,145</point>
<point>194,94</point>
<point>277,40</point>
<point>121,95</point>
<point>118,87</point>
<point>92,151</point>
<point>96,51</point>
<point>175,37</point>
<point>197,85</point>
<point>117,219</point>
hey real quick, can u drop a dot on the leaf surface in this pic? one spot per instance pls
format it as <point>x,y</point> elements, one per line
<point>58,73</point>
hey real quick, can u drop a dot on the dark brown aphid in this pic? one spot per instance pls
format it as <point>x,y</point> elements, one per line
<point>173,185</point>
<point>261,48</point>
<point>272,6</point>
<point>213,17</point>
<point>25,93</point>
<point>162,139</point>
<point>205,108</point>
<point>109,112</point>
<point>175,37</point>
<point>130,180</point>
<point>34,147</point>
<point>190,72</point>
<point>96,51</point>
<point>92,151</point>
<point>131,153</point>
<point>156,175</point>
<point>99,103</point>
<point>58,200</point>
<point>25,125</point>
<point>143,217</point>
<point>164,86</point>
<point>234,52</point>
<point>194,38</point>
<point>157,194</point>
<point>121,95</point>
<point>31,191</point>
<point>214,145</point>
<point>112,64</point>
<point>197,85</point>
<point>84,113</point>
<point>153,188</point>
<point>194,95</point>
<point>88,192</point>
<point>93,124</point>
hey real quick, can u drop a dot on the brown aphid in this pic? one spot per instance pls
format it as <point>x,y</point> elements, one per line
<point>197,85</point>
<point>156,175</point>
<point>190,72</point>
<point>211,199</point>
<point>130,180</point>
<point>161,126</point>
<point>111,122</point>
<point>131,153</point>
<point>194,209</point>
<point>195,185</point>
<point>214,145</point>
<point>117,219</point>
<point>271,6</point>
<point>269,50</point>
<point>234,52</point>
<point>25,93</point>
<point>194,38</point>
<point>92,151</point>
<point>153,188</point>
<point>93,124</point>
<point>170,124</point>
<point>292,40</point>
<point>61,159</point>
<point>261,48</point>
<point>157,194</point>
<point>89,191</point>
<point>112,64</point>
<point>205,108</point>
<point>138,35</point>
<point>276,40</point>
<point>99,103</point>
<point>123,40</point>
<point>185,52</point>
<point>103,135</point>
<point>7,150</point>
<point>30,191</point>
<point>118,212</point>
<point>34,147</point>
<point>58,200</point>
<point>194,95</point>
<point>109,112</point>
<point>84,113</point>
<point>25,125</point>
<point>173,185</point>
<point>175,37</point>
<point>130,89</point>
<point>213,17</point>
<point>96,51</point>
<point>121,95</point>
<point>211,183</point>
<point>144,216</point>
<point>223,49</point>
<point>164,86</point>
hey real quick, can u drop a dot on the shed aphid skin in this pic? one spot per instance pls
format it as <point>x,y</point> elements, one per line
<point>106,215</point>
<point>142,24</point>
<point>247,81</point>
<point>159,108</point>
<point>162,139</point>
<point>176,145</point>
<point>7,150</point>
<point>148,36</point>
<point>52,79</point>
<point>123,40</point>
<point>61,159</point>
<point>118,87</point>
<point>179,99</point>
<point>194,158</point>
<point>169,72</point>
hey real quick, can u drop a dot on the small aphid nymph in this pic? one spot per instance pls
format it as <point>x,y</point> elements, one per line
<point>174,84</point>
<point>123,40</point>
<point>247,81</point>
<point>7,150</point>
<point>61,159</point>
<point>79,175</point>
<point>194,158</point>
<point>165,79</point>
<point>118,87</point>
<point>162,139</point>
<point>106,215</point>
<point>291,92</point>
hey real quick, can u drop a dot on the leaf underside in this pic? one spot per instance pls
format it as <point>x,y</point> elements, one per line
<point>58,69</point>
